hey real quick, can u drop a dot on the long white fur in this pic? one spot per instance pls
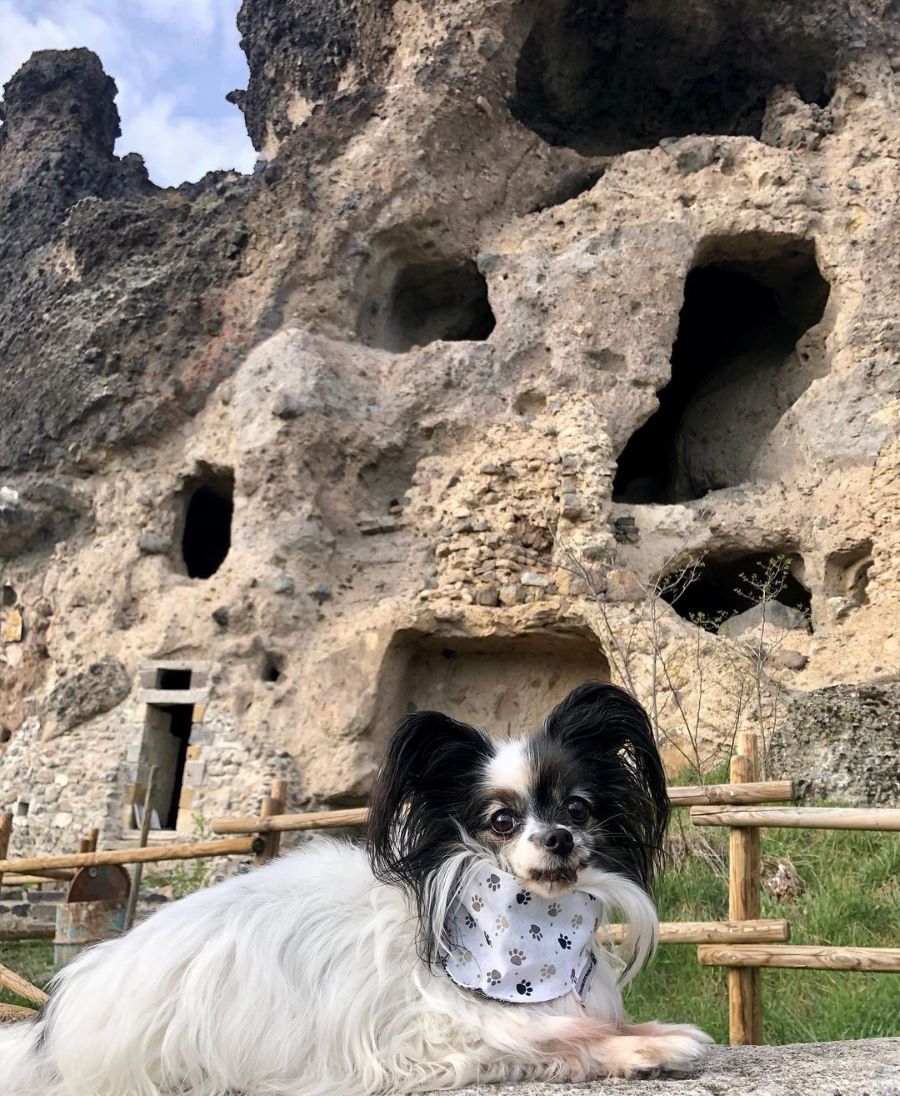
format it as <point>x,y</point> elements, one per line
<point>301,979</point>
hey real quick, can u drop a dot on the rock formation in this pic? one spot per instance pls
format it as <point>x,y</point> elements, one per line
<point>524,304</point>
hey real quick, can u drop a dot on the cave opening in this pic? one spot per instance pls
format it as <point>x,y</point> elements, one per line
<point>271,667</point>
<point>736,369</point>
<point>718,588</point>
<point>416,300</point>
<point>166,738</point>
<point>607,78</point>
<point>847,573</point>
<point>206,537</point>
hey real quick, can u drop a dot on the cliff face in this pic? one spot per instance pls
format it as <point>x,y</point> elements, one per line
<point>523,303</point>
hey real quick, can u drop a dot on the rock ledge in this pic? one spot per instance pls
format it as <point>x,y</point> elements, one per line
<point>866,1067</point>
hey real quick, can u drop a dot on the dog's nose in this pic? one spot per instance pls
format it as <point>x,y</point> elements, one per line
<point>558,841</point>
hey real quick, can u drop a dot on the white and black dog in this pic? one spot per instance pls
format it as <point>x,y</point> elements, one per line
<point>459,948</point>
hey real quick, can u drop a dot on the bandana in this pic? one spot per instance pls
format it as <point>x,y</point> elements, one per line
<point>512,945</point>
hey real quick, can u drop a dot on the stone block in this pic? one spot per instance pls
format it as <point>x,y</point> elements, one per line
<point>194,772</point>
<point>624,586</point>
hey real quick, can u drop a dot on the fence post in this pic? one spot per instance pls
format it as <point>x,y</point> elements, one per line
<point>744,985</point>
<point>6,820</point>
<point>271,805</point>
<point>138,873</point>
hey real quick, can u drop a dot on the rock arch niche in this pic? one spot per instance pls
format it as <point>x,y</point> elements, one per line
<point>607,78</point>
<point>503,684</point>
<point>417,294</point>
<point>742,357</point>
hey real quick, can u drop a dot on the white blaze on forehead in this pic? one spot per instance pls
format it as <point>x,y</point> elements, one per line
<point>508,768</point>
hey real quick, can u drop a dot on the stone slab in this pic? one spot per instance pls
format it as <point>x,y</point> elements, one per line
<point>865,1067</point>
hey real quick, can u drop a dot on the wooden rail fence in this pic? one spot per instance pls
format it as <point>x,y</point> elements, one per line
<point>745,943</point>
<point>745,960</point>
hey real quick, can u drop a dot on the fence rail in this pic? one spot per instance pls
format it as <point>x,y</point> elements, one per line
<point>761,931</point>
<point>801,956</point>
<point>763,791</point>
<point>232,846</point>
<point>879,819</point>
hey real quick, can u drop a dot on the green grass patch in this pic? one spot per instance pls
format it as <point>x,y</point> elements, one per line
<point>850,896</point>
<point>32,960</point>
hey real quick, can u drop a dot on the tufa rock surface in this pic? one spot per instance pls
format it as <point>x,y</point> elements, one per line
<point>869,1067</point>
<point>844,740</point>
<point>523,306</point>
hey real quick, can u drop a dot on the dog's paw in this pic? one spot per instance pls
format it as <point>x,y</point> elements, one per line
<point>631,1055</point>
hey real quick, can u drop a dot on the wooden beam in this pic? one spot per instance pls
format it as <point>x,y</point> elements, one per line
<point>35,932</point>
<point>744,986</point>
<point>801,956</point>
<point>38,877</point>
<point>285,823</point>
<point>20,987</point>
<point>884,819</point>
<point>235,846</point>
<point>762,791</point>
<point>6,820</point>
<point>760,931</point>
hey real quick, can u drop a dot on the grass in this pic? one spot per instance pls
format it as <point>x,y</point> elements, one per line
<point>32,959</point>
<point>851,897</point>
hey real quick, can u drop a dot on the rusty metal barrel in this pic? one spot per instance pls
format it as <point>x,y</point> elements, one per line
<point>93,911</point>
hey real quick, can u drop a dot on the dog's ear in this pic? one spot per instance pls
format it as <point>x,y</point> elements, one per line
<point>612,736</point>
<point>422,790</point>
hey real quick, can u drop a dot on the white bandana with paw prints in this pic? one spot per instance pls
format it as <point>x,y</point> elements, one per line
<point>513,945</point>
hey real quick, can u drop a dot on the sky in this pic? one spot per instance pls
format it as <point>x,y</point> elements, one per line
<point>173,61</point>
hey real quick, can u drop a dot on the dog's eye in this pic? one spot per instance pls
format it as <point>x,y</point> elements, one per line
<point>578,809</point>
<point>503,822</point>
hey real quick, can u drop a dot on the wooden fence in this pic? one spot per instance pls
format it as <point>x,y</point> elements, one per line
<point>745,943</point>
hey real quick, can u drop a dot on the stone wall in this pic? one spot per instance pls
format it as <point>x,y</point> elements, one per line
<point>409,354</point>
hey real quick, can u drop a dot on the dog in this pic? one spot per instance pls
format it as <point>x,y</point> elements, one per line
<point>462,945</point>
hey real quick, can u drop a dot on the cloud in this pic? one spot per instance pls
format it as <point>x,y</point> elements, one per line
<point>173,62</point>
<point>185,147</point>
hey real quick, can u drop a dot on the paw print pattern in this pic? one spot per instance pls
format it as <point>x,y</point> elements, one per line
<point>463,955</point>
<point>524,988</point>
<point>493,977</point>
<point>494,882</point>
<point>577,920</point>
<point>548,970</point>
<point>477,902</point>
<point>536,933</point>
<point>469,921</point>
<point>553,910</point>
<point>564,942</point>
<point>501,924</point>
<point>517,957</point>
<point>523,898</point>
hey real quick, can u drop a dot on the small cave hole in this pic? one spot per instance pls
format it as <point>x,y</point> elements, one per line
<point>716,589</point>
<point>206,539</point>
<point>271,667</point>
<point>8,598</point>
<point>735,370</point>
<point>606,78</point>
<point>416,300</point>
<point>847,573</point>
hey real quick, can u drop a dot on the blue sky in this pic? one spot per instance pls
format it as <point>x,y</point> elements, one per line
<point>173,62</point>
